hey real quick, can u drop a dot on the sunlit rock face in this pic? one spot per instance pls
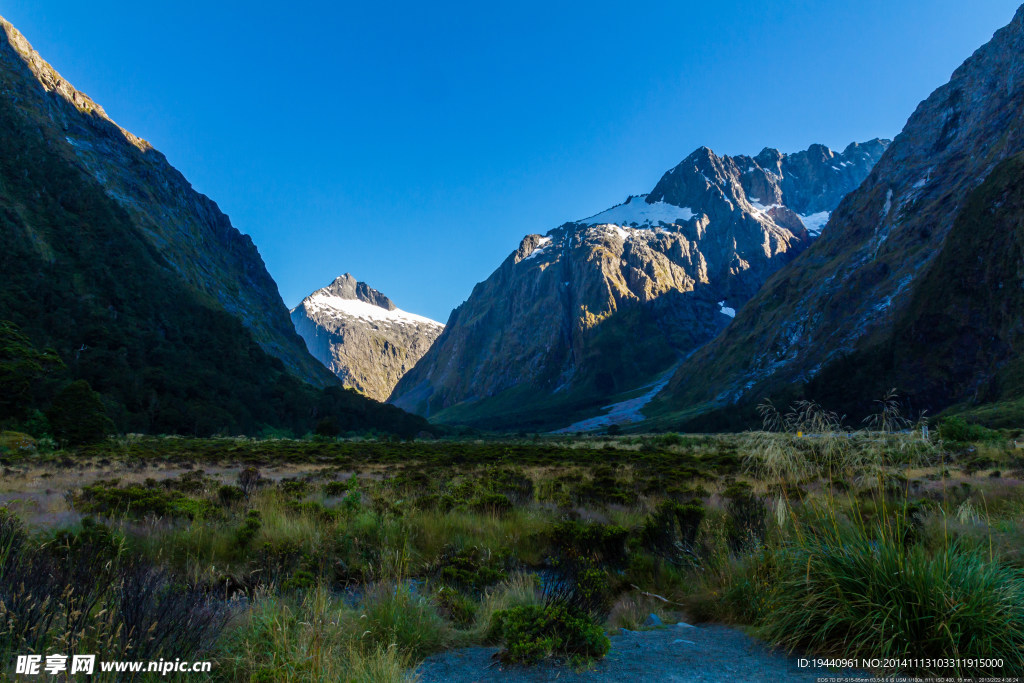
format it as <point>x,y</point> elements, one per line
<point>600,306</point>
<point>361,336</point>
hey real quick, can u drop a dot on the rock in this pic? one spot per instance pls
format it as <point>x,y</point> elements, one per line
<point>652,620</point>
<point>361,336</point>
<point>604,305</point>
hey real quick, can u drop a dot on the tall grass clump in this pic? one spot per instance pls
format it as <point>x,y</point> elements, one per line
<point>312,640</point>
<point>859,576</point>
<point>78,593</point>
<point>854,594</point>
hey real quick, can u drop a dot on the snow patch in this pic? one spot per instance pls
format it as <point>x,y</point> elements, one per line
<point>888,203</point>
<point>623,412</point>
<point>354,308</point>
<point>638,212</point>
<point>814,222</point>
<point>541,245</point>
<point>731,312</point>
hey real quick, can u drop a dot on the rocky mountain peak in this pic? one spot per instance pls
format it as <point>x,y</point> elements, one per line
<point>347,287</point>
<point>601,305</point>
<point>361,336</point>
<point>886,297</point>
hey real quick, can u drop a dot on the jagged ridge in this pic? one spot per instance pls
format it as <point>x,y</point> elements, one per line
<point>843,314</point>
<point>600,306</point>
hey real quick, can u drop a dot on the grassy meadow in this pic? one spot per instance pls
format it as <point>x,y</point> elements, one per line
<point>333,559</point>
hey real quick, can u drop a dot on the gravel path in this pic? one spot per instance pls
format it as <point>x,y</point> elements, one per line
<point>676,654</point>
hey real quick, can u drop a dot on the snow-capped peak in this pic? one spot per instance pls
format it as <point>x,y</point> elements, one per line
<point>325,301</point>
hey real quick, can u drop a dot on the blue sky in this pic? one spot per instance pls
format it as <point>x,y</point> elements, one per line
<point>415,144</point>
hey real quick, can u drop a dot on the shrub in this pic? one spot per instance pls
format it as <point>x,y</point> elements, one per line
<point>249,479</point>
<point>491,503</point>
<point>746,517</point>
<point>93,537</point>
<point>248,530</point>
<point>458,607</point>
<point>229,495</point>
<point>580,585</point>
<point>957,429</point>
<point>511,483</point>
<point>77,415</point>
<point>532,633</point>
<point>78,593</point>
<point>294,489</point>
<point>394,615</point>
<point>139,501</point>
<point>600,542</point>
<point>17,443</point>
<point>471,569</point>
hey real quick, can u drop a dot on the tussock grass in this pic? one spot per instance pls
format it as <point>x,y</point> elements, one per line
<point>313,640</point>
<point>852,594</point>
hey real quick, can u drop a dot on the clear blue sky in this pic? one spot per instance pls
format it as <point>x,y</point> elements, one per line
<point>415,144</point>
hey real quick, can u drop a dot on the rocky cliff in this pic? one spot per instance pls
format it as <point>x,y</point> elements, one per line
<point>915,281</point>
<point>361,336</point>
<point>598,307</point>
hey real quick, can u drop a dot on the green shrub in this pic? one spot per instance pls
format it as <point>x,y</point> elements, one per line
<point>471,569</point>
<point>77,415</point>
<point>532,633</point>
<point>491,503</point>
<point>138,501</point>
<point>294,489</point>
<point>300,580</point>
<point>458,607</point>
<point>93,537</point>
<point>671,530</point>
<point>599,542</point>
<point>248,530</point>
<point>958,430</point>
<point>229,495</point>
<point>394,615</point>
<point>746,517</point>
<point>851,595</point>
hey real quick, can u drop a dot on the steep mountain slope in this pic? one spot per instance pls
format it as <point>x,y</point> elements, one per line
<point>601,306</point>
<point>187,228</point>
<point>913,284</point>
<point>361,336</point>
<point>138,282</point>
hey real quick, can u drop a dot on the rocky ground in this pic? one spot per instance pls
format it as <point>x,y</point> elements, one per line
<point>678,654</point>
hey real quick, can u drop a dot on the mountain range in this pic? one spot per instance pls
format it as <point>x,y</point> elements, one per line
<point>601,307</point>
<point>832,276</point>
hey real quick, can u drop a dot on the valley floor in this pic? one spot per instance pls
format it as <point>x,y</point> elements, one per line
<point>554,556</point>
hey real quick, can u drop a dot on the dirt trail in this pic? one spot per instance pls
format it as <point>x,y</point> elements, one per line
<point>676,654</point>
